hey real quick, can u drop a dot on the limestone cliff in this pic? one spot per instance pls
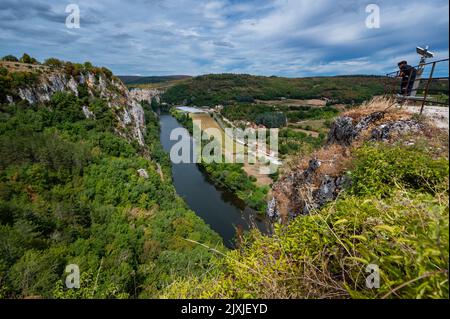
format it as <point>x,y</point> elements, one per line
<point>125,104</point>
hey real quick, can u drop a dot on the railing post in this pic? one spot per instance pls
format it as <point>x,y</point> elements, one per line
<point>425,95</point>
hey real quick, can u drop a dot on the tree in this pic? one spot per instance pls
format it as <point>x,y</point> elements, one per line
<point>10,58</point>
<point>52,62</point>
<point>107,72</point>
<point>154,104</point>
<point>271,120</point>
<point>28,59</point>
<point>88,66</point>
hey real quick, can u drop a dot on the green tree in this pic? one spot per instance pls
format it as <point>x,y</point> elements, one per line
<point>27,59</point>
<point>10,58</point>
<point>53,62</point>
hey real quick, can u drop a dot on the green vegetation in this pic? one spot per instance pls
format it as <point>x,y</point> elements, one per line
<point>230,176</point>
<point>142,80</point>
<point>312,113</point>
<point>28,59</point>
<point>300,143</point>
<point>75,69</point>
<point>233,178</point>
<point>271,120</point>
<point>70,193</point>
<point>216,89</point>
<point>275,116</point>
<point>246,112</point>
<point>10,81</point>
<point>395,215</point>
<point>10,58</point>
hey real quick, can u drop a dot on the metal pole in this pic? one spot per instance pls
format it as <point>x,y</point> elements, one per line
<point>425,95</point>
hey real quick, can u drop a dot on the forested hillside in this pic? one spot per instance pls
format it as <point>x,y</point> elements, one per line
<point>74,189</point>
<point>216,89</point>
<point>134,80</point>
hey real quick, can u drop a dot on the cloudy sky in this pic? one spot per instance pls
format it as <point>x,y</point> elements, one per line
<point>267,37</point>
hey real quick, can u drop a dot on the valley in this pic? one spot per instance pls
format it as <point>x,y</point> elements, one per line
<point>86,178</point>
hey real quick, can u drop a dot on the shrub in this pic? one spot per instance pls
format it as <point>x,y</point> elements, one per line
<point>52,62</point>
<point>381,167</point>
<point>10,58</point>
<point>3,71</point>
<point>28,59</point>
<point>271,120</point>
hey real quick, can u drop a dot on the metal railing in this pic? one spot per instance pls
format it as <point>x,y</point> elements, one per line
<point>430,84</point>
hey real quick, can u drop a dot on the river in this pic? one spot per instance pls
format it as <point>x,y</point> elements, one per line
<point>220,209</point>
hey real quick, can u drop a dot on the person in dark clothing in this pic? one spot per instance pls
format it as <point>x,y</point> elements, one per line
<point>408,75</point>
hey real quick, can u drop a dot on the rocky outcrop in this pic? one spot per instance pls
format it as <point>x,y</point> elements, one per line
<point>87,112</point>
<point>345,129</point>
<point>125,104</point>
<point>387,130</point>
<point>145,95</point>
<point>303,191</point>
<point>319,181</point>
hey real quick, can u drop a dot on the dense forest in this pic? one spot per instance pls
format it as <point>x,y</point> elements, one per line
<point>134,80</point>
<point>213,89</point>
<point>276,116</point>
<point>70,193</point>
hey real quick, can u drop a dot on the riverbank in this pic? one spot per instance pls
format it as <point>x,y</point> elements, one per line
<point>231,176</point>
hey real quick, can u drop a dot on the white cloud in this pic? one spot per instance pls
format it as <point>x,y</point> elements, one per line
<point>270,37</point>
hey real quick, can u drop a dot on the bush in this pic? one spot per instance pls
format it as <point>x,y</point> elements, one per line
<point>52,62</point>
<point>380,168</point>
<point>27,59</point>
<point>3,71</point>
<point>271,120</point>
<point>10,58</point>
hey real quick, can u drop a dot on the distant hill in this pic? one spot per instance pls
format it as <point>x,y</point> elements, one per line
<point>215,89</point>
<point>134,80</point>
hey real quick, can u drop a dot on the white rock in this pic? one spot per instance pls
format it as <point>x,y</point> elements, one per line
<point>143,173</point>
<point>88,113</point>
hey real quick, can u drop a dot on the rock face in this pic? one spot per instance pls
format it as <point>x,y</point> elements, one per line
<point>88,113</point>
<point>125,104</point>
<point>386,131</point>
<point>344,130</point>
<point>304,191</point>
<point>145,95</point>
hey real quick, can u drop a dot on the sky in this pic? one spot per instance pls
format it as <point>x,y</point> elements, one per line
<point>293,38</point>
